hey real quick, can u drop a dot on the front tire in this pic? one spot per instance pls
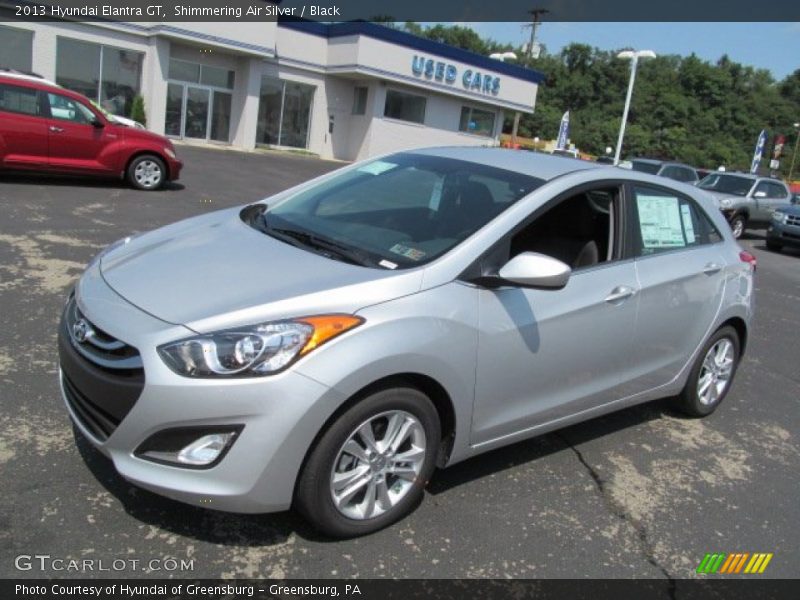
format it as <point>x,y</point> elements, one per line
<point>147,172</point>
<point>774,246</point>
<point>370,468</point>
<point>738,224</point>
<point>712,374</point>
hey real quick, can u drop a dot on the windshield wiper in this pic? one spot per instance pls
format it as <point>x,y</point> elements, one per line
<point>329,248</point>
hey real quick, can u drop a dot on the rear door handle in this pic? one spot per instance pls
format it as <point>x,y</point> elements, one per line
<point>712,268</point>
<point>55,129</point>
<point>620,293</point>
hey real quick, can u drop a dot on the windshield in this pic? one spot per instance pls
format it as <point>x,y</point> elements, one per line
<point>726,184</point>
<point>645,167</point>
<point>397,212</point>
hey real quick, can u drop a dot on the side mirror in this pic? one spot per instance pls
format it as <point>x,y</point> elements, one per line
<point>97,123</point>
<point>531,269</point>
<point>760,195</point>
<point>794,199</point>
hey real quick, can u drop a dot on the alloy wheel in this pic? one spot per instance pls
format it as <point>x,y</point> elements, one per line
<point>716,372</point>
<point>378,464</point>
<point>148,173</point>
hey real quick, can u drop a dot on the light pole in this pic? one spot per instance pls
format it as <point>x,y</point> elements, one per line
<point>634,55</point>
<point>794,154</point>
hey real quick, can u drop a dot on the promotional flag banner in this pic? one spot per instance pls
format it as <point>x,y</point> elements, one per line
<point>563,132</point>
<point>762,141</point>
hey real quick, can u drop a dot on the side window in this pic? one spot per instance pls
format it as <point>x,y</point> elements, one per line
<point>579,230</point>
<point>687,174</point>
<point>68,109</point>
<point>672,173</point>
<point>668,221</point>
<point>19,100</point>
<point>776,190</point>
<point>762,187</point>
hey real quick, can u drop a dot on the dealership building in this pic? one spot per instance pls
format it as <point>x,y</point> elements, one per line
<point>344,90</point>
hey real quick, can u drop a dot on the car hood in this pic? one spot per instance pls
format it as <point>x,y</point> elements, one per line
<point>793,209</point>
<point>214,271</point>
<point>717,196</point>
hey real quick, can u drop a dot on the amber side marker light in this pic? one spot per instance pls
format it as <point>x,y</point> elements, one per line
<point>326,328</point>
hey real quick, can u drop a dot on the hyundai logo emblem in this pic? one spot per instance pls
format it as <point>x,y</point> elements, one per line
<point>81,330</point>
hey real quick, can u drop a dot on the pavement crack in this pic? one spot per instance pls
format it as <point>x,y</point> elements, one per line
<point>616,509</point>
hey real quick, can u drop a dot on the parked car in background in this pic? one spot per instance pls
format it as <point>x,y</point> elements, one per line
<point>746,200</point>
<point>48,129</point>
<point>784,228</point>
<point>117,118</point>
<point>393,316</point>
<point>662,168</point>
<point>565,152</point>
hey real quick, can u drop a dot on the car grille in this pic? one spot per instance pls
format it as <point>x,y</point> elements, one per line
<point>101,377</point>
<point>793,220</point>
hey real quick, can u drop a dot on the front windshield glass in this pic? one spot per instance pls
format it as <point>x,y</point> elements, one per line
<point>401,211</point>
<point>726,184</point>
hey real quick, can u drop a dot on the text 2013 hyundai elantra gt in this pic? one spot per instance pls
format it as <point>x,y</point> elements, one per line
<point>329,347</point>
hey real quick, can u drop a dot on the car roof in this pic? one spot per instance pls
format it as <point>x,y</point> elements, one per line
<point>536,164</point>
<point>32,77</point>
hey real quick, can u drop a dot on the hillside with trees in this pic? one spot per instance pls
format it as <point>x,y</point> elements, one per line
<point>685,108</point>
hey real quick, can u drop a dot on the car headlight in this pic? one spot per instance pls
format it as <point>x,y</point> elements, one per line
<point>779,216</point>
<point>253,351</point>
<point>726,203</point>
<point>110,248</point>
<point>170,152</point>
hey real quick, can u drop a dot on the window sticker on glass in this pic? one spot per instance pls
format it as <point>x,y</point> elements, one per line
<point>688,224</point>
<point>377,167</point>
<point>660,222</point>
<point>436,193</point>
<point>387,264</point>
<point>411,253</point>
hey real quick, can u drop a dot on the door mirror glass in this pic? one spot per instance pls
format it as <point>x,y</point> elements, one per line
<point>97,123</point>
<point>531,269</point>
<point>760,195</point>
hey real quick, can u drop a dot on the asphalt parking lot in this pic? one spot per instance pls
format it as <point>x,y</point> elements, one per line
<point>640,493</point>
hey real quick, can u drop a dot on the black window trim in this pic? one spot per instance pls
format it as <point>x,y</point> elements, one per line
<point>45,102</point>
<point>634,233</point>
<point>483,270</point>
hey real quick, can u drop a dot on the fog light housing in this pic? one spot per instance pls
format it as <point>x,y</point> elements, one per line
<point>189,447</point>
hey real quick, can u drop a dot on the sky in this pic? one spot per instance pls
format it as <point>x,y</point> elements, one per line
<point>772,46</point>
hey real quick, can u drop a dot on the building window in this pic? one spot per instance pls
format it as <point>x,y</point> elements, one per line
<point>476,121</point>
<point>403,106</point>
<point>104,74</point>
<point>284,113</point>
<point>360,100</point>
<point>16,49</point>
<point>182,70</point>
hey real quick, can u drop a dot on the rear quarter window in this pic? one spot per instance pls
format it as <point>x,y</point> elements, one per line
<point>19,100</point>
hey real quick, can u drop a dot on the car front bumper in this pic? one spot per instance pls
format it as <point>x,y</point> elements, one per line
<point>784,234</point>
<point>278,416</point>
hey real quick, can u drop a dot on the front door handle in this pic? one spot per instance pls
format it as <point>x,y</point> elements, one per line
<point>55,129</point>
<point>712,268</point>
<point>620,294</point>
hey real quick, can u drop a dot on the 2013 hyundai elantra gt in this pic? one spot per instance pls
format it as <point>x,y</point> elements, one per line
<point>328,347</point>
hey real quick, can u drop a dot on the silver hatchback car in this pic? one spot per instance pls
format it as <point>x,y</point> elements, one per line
<point>329,347</point>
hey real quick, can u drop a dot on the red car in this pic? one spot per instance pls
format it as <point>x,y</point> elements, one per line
<point>47,128</point>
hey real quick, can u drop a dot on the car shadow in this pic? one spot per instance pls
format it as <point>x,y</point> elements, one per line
<point>73,181</point>
<point>235,529</point>
<point>530,450</point>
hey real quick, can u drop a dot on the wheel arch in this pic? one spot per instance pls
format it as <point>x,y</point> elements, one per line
<point>741,329</point>
<point>425,384</point>
<point>145,152</point>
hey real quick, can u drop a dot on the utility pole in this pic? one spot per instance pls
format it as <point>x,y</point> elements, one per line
<point>536,14</point>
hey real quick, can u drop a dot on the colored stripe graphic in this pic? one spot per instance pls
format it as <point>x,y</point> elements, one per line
<point>720,562</point>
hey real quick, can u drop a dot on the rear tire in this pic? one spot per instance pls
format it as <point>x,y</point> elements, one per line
<point>738,225</point>
<point>147,172</point>
<point>712,375</point>
<point>343,460</point>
